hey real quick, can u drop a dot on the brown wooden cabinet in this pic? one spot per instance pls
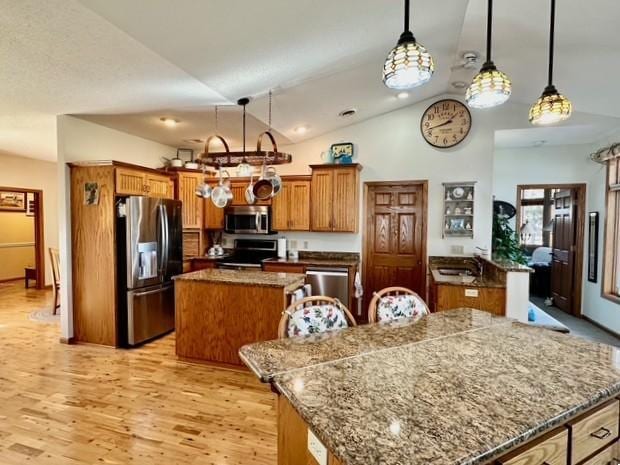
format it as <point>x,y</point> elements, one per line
<point>291,207</point>
<point>335,198</point>
<point>193,205</point>
<point>136,181</point>
<point>213,216</point>
<point>284,267</point>
<point>449,297</point>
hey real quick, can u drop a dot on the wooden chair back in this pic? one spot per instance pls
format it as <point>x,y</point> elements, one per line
<point>310,301</point>
<point>390,291</point>
<point>55,263</point>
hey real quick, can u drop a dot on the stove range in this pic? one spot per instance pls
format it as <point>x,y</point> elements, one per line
<point>249,254</point>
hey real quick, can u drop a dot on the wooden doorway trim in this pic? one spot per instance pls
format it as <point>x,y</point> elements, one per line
<point>39,230</point>
<point>365,239</point>
<point>580,218</point>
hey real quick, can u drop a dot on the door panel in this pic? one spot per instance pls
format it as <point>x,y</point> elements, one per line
<point>130,182</point>
<point>345,218</point>
<point>192,204</point>
<point>280,208</point>
<point>395,239</point>
<point>150,313</point>
<point>299,206</point>
<point>562,265</point>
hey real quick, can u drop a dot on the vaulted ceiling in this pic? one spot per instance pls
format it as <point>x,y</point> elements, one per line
<point>124,64</point>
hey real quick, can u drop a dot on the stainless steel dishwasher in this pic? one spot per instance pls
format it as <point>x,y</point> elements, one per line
<point>332,282</point>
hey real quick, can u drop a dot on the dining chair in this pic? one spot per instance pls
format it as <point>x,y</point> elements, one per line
<point>394,303</point>
<point>314,315</point>
<point>55,263</point>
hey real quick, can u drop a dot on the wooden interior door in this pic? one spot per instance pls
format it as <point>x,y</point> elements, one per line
<point>563,258</point>
<point>395,237</point>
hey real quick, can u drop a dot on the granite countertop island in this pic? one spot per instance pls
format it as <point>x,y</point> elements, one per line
<point>217,311</point>
<point>245,278</point>
<point>454,388</point>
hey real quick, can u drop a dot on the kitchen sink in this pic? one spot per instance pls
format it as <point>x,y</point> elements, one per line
<point>455,272</point>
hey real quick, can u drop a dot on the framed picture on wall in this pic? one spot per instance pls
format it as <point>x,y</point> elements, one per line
<point>593,247</point>
<point>12,201</point>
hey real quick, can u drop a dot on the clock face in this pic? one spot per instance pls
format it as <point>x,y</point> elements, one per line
<point>445,123</point>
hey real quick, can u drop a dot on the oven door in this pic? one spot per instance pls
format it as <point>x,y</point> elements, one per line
<point>247,220</point>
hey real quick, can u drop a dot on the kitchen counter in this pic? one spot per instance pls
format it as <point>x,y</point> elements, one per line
<point>245,278</point>
<point>273,357</point>
<point>320,259</point>
<point>465,396</point>
<point>469,281</point>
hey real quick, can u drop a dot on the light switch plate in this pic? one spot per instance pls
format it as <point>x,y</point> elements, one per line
<point>317,449</point>
<point>471,292</point>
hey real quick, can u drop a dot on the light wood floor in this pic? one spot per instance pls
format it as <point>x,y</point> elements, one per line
<point>80,404</point>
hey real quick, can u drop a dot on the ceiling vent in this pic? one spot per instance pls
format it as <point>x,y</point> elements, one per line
<point>347,113</point>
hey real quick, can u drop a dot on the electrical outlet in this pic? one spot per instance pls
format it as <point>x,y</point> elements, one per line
<point>293,244</point>
<point>471,292</point>
<point>457,249</point>
<point>305,245</point>
<point>317,449</point>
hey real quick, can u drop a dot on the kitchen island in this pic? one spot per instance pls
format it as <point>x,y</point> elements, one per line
<point>218,311</point>
<point>457,387</point>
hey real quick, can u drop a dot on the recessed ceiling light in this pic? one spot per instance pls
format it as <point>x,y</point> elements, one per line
<point>301,129</point>
<point>347,113</point>
<point>402,95</point>
<point>169,122</point>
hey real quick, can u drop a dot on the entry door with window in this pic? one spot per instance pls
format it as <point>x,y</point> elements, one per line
<point>563,258</point>
<point>395,240</point>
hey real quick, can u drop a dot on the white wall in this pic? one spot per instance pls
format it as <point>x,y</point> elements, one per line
<point>563,164</point>
<point>390,147</point>
<point>80,140</point>
<point>595,307</point>
<point>29,173</point>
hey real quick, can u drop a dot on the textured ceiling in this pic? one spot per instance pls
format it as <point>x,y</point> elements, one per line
<point>135,61</point>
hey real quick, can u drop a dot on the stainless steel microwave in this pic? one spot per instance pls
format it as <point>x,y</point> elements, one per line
<point>248,220</point>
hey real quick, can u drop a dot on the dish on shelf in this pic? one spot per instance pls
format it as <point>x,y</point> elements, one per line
<point>458,192</point>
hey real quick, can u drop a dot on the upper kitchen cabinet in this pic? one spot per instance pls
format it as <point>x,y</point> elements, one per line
<point>213,216</point>
<point>335,198</point>
<point>135,181</point>
<point>193,205</point>
<point>238,188</point>
<point>291,207</point>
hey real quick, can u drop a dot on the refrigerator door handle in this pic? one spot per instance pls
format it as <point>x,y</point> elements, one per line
<point>165,240</point>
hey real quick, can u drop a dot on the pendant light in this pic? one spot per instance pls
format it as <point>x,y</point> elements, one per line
<point>244,168</point>
<point>490,87</point>
<point>409,64</point>
<point>552,107</point>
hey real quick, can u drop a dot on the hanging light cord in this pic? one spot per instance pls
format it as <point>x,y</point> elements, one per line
<point>406,15</point>
<point>551,42</point>
<point>216,121</point>
<point>489,29</point>
<point>244,132</point>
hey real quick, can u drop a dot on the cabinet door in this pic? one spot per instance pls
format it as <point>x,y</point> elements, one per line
<point>159,186</point>
<point>346,200</point>
<point>130,182</point>
<point>322,197</point>
<point>299,206</point>
<point>238,191</point>
<point>213,216</point>
<point>280,208</point>
<point>284,268</point>
<point>192,204</point>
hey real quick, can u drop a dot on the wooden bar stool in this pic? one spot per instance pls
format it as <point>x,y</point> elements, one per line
<point>314,315</point>
<point>394,303</point>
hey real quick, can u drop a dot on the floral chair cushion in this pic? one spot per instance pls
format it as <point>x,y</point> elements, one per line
<point>394,307</point>
<point>316,319</point>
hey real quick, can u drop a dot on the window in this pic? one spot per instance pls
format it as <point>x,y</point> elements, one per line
<point>611,276</point>
<point>536,212</point>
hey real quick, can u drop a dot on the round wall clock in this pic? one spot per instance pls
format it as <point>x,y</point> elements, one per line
<point>445,123</point>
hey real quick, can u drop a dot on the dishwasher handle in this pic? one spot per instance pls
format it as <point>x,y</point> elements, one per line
<point>327,272</point>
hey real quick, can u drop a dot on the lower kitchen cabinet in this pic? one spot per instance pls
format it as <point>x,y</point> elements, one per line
<point>449,297</point>
<point>284,268</point>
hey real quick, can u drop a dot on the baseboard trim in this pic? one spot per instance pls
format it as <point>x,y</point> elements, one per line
<point>67,340</point>
<point>600,326</point>
<point>8,280</point>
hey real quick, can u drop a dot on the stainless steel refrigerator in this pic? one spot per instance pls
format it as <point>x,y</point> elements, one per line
<point>150,253</point>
